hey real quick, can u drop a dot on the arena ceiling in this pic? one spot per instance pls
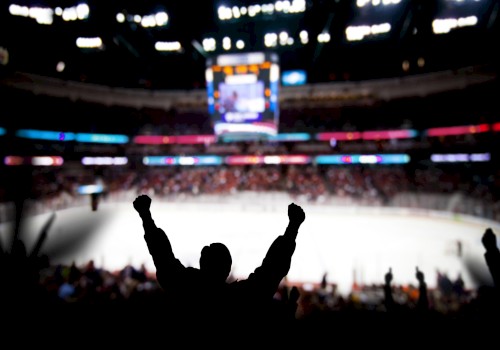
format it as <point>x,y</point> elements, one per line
<point>164,45</point>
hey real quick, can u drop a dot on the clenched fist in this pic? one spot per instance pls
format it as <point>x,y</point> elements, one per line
<point>142,204</point>
<point>296,214</point>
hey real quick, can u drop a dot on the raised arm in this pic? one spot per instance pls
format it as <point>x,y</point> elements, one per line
<point>423,301</point>
<point>276,263</point>
<point>142,205</point>
<point>492,255</point>
<point>296,217</point>
<point>158,243</point>
<point>389,300</point>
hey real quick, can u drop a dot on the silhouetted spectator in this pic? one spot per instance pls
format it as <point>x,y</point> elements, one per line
<point>388,298</point>
<point>423,299</point>
<point>202,296</point>
<point>459,285</point>
<point>492,255</point>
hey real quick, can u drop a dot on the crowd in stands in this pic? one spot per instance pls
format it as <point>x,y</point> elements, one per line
<point>56,287</point>
<point>475,192</point>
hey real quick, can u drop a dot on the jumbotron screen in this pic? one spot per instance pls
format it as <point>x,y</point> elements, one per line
<point>243,95</point>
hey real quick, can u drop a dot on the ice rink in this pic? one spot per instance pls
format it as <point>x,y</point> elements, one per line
<point>349,244</point>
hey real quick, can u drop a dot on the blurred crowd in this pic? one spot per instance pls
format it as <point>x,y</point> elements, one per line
<point>75,287</point>
<point>461,190</point>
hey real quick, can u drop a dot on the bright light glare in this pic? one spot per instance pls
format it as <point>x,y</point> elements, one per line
<point>120,17</point>
<point>82,11</point>
<point>356,33</point>
<point>89,42</point>
<point>226,43</point>
<point>161,18</point>
<point>209,44</point>
<point>168,46</point>
<point>323,37</point>
<point>444,25</point>
<point>240,44</point>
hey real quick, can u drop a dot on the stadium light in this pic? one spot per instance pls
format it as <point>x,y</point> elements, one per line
<point>323,37</point>
<point>240,44</point>
<point>209,44</point>
<point>271,39</point>
<point>168,46</point>
<point>363,3</point>
<point>69,14</point>
<point>161,18</point>
<point>43,15</point>
<point>226,43</point>
<point>445,25</point>
<point>296,6</point>
<point>120,17</point>
<point>224,13</point>
<point>286,7</point>
<point>151,20</point>
<point>236,12</point>
<point>16,10</point>
<point>268,8</point>
<point>89,43</point>
<point>148,21</point>
<point>356,33</point>
<point>304,37</point>
<point>283,38</point>
<point>82,11</point>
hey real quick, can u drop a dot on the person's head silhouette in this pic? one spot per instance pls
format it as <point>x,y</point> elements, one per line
<point>215,262</point>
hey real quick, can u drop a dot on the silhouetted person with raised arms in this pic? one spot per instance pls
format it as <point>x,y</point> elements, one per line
<point>202,297</point>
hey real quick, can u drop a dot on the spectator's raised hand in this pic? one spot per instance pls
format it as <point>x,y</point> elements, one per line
<point>420,276</point>
<point>388,276</point>
<point>489,240</point>
<point>142,204</point>
<point>296,214</point>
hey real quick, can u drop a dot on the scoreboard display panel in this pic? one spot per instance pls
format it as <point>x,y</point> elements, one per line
<point>243,95</point>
